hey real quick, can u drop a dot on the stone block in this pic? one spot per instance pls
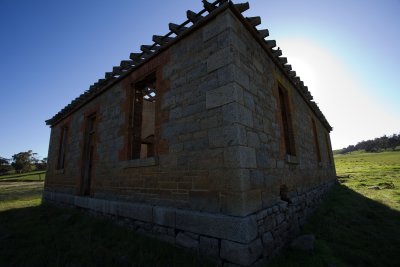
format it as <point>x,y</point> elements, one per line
<point>248,100</point>
<point>186,241</point>
<point>219,226</point>
<point>196,145</point>
<point>240,157</point>
<point>82,202</point>
<point>164,216</point>
<point>168,101</point>
<point>219,59</point>
<point>209,246</point>
<point>262,214</point>
<point>230,179</point>
<point>268,243</point>
<point>269,222</point>
<point>223,95</point>
<point>228,135</point>
<point>253,139</point>
<point>137,211</point>
<point>256,179</point>
<point>262,159</point>
<point>243,254</point>
<point>194,109</point>
<point>267,238</point>
<point>241,203</point>
<point>204,201</point>
<point>280,218</point>
<point>217,26</point>
<point>237,113</point>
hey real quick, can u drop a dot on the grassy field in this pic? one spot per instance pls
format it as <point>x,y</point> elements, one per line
<point>357,225</point>
<point>30,176</point>
<point>32,234</point>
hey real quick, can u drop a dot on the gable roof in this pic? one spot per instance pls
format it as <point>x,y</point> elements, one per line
<point>176,33</point>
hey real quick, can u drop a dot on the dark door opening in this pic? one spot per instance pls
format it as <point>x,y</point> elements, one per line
<point>88,155</point>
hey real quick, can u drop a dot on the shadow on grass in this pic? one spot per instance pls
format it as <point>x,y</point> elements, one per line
<point>351,230</point>
<point>50,236</point>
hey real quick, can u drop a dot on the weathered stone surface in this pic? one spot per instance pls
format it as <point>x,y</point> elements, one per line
<point>136,211</point>
<point>237,113</point>
<point>186,241</point>
<point>223,95</point>
<point>240,157</point>
<point>209,246</point>
<point>219,59</point>
<point>241,203</point>
<point>202,200</point>
<point>244,254</point>
<point>220,226</point>
<point>267,238</point>
<point>164,216</point>
<point>228,135</point>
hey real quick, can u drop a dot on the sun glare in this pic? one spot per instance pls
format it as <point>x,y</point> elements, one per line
<point>342,96</point>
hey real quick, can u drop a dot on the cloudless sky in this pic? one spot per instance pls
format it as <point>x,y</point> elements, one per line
<point>51,51</point>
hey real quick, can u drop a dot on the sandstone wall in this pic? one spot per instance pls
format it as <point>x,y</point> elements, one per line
<point>215,182</point>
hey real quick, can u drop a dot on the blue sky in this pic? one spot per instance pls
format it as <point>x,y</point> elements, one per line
<point>51,51</point>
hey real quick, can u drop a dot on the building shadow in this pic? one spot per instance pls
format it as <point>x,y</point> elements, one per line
<point>350,230</point>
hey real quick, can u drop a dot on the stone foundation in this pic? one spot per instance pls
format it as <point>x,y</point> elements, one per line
<point>244,241</point>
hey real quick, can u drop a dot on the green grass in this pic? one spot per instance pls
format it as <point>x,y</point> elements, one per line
<point>32,234</point>
<point>29,176</point>
<point>15,195</point>
<point>363,171</point>
<point>356,225</point>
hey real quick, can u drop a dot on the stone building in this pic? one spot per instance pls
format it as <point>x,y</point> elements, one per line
<point>206,139</point>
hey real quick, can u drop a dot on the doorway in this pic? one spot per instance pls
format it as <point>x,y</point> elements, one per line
<point>88,153</point>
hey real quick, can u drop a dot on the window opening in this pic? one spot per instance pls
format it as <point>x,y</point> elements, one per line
<point>88,154</point>
<point>286,123</point>
<point>143,122</point>
<point>328,148</point>
<point>61,151</point>
<point>316,141</point>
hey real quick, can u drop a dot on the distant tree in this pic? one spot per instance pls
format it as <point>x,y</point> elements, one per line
<point>375,145</point>
<point>41,165</point>
<point>23,161</point>
<point>5,166</point>
<point>394,141</point>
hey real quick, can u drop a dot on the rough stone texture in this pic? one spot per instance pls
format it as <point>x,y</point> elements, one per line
<point>209,246</point>
<point>243,254</point>
<point>226,227</point>
<point>186,241</point>
<point>220,160</point>
<point>245,241</point>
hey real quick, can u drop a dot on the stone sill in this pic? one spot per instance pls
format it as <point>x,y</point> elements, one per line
<point>291,159</point>
<point>136,163</point>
